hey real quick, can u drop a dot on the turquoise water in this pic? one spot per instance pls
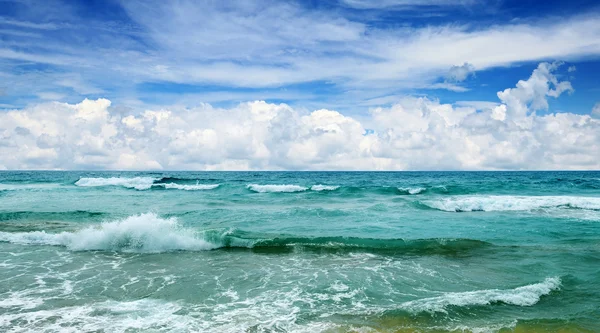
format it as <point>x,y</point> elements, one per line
<point>300,251</point>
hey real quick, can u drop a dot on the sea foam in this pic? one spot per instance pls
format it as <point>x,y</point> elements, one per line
<point>412,190</point>
<point>324,188</point>
<point>521,296</point>
<point>276,188</point>
<point>511,203</point>
<point>138,183</point>
<point>141,183</point>
<point>139,233</point>
<point>185,187</point>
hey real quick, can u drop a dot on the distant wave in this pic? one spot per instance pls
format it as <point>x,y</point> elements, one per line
<point>28,186</point>
<point>138,183</point>
<point>141,183</point>
<point>522,296</point>
<point>276,188</point>
<point>188,187</point>
<point>324,188</point>
<point>149,233</point>
<point>412,190</point>
<point>272,188</point>
<point>510,203</point>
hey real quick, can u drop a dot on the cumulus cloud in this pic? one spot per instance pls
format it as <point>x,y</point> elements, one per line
<point>415,133</point>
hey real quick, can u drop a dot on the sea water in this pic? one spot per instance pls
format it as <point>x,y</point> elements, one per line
<point>300,251</point>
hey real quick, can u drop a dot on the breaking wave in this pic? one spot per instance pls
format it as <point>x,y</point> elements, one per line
<point>276,188</point>
<point>139,233</point>
<point>412,190</point>
<point>141,183</point>
<point>149,233</point>
<point>138,183</point>
<point>269,188</point>
<point>188,187</point>
<point>522,296</point>
<point>511,203</point>
<point>324,187</point>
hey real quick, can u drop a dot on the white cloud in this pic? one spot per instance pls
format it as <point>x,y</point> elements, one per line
<point>414,133</point>
<point>379,4</point>
<point>460,73</point>
<point>596,110</point>
<point>277,44</point>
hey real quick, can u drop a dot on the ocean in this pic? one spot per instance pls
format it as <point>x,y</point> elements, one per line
<point>299,251</point>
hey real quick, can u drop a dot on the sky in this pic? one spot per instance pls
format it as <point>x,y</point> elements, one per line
<point>300,85</point>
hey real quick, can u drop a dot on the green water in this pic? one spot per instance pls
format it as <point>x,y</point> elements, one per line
<point>300,252</point>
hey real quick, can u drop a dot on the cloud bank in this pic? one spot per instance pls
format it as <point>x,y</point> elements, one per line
<point>417,133</point>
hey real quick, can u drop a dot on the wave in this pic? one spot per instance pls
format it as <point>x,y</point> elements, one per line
<point>28,186</point>
<point>412,190</point>
<point>185,187</point>
<point>324,187</point>
<point>149,233</point>
<point>276,188</point>
<point>511,203</point>
<point>142,183</point>
<point>140,233</point>
<point>522,296</point>
<point>138,183</point>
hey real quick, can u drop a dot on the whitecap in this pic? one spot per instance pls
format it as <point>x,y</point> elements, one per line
<point>412,190</point>
<point>511,203</point>
<point>184,187</point>
<point>324,187</point>
<point>138,183</point>
<point>521,296</point>
<point>146,233</point>
<point>276,188</point>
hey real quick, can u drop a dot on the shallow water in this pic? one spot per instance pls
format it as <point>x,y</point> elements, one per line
<point>300,251</point>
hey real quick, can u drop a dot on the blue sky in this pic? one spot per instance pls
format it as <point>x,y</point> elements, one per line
<point>313,54</point>
<point>302,85</point>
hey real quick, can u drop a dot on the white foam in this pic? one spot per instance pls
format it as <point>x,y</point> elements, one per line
<point>521,296</point>
<point>511,203</point>
<point>138,183</point>
<point>276,188</point>
<point>412,190</point>
<point>197,187</point>
<point>36,186</point>
<point>324,187</point>
<point>139,233</point>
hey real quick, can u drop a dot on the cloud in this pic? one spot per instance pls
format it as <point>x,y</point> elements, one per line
<point>415,133</point>
<point>381,4</point>
<point>448,86</point>
<point>269,45</point>
<point>596,110</point>
<point>460,73</point>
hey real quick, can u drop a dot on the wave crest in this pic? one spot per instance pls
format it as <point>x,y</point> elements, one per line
<point>511,203</point>
<point>138,183</point>
<point>276,188</point>
<point>185,187</point>
<point>324,187</point>
<point>141,183</point>
<point>140,233</point>
<point>148,233</point>
<point>521,296</point>
<point>412,190</point>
